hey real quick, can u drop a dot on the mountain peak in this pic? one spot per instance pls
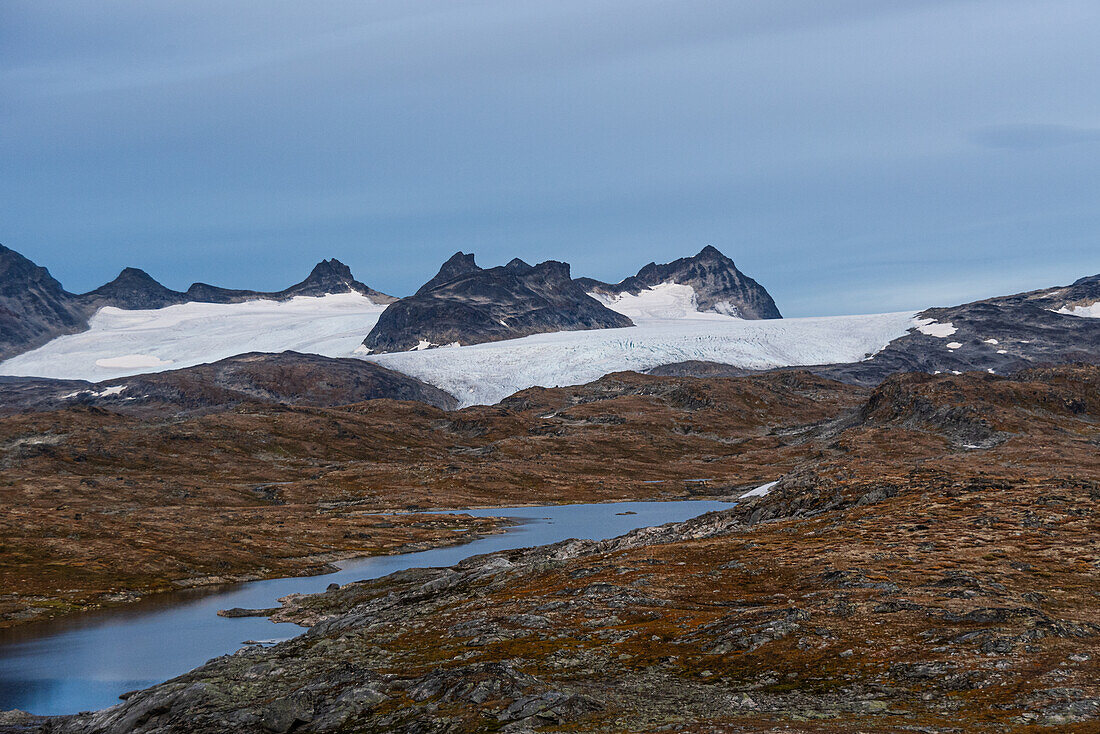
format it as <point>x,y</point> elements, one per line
<point>134,275</point>
<point>331,268</point>
<point>332,276</point>
<point>34,307</point>
<point>133,288</point>
<point>718,285</point>
<point>17,273</point>
<point>466,304</point>
<point>457,265</point>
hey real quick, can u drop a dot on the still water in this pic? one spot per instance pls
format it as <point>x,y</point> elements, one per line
<point>84,662</point>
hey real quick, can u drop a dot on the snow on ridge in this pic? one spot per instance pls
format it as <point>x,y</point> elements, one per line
<point>663,301</point>
<point>1092,311</point>
<point>120,343</point>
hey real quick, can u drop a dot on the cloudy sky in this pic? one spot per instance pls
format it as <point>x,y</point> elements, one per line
<point>852,155</point>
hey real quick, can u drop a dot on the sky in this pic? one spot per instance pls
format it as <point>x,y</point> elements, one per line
<point>853,156</point>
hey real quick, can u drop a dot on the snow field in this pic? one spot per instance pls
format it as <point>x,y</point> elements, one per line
<point>669,328</point>
<point>120,343</point>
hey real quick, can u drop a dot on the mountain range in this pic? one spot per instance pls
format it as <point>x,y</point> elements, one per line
<point>536,324</point>
<point>34,307</point>
<point>462,304</point>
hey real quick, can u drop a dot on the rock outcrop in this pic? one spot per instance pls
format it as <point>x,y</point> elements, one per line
<point>287,378</point>
<point>1001,335</point>
<point>719,286</point>
<point>34,308</point>
<point>466,304</point>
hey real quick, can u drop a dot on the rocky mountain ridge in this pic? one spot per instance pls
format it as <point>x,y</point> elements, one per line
<point>34,307</point>
<point>286,378</point>
<point>719,286</point>
<point>467,304</point>
<point>1001,335</point>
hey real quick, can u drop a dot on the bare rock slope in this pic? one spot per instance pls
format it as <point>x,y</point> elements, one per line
<point>467,304</point>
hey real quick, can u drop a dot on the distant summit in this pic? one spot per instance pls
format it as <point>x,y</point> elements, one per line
<point>34,308</point>
<point>466,304</point>
<point>719,286</point>
<point>132,289</point>
<point>327,277</point>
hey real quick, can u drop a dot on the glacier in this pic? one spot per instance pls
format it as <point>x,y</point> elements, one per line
<point>486,373</point>
<point>668,328</point>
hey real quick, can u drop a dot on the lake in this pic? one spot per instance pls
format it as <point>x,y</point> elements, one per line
<point>83,662</point>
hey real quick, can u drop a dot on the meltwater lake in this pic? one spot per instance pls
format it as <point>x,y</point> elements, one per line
<point>85,661</point>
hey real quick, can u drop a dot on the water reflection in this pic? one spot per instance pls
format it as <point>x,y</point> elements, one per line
<point>85,661</point>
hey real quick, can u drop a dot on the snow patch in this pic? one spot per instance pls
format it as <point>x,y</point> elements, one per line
<point>760,491</point>
<point>954,345</point>
<point>665,301</point>
<point>105,392</point>
<point>932,328</point>
<point>990,341</point>
<point>1092,311</point>
<point>1002,351</point>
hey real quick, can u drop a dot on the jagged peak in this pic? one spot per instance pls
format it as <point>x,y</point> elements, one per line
<point>330,268</point>
<point>460,260</point>
<point>457,265</point>
<point>710,252</point>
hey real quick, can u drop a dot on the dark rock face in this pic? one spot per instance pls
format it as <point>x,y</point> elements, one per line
<point>719,286</point>
<point>333,276</point>
<point>288,378</point>
<point>1003,334</point>
<point>132,289</point>
<point>34,307</point>
<point>467,304</point>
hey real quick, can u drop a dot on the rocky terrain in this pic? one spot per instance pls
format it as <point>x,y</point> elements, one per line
<point>287,378</point>
<point>1001,335</point>
<point>35,308</point>
<point>719,286</point>
<point>466,304</point>
<point>927,564</point>
<point>98,503</point>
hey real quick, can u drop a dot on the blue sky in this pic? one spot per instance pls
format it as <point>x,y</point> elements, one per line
<point>852,155</point>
